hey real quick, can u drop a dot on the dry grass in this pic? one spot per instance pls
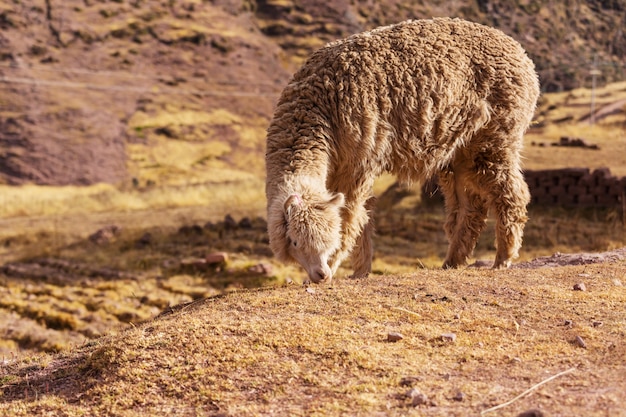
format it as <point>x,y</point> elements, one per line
<point>561,114</point>
<point>33,201</point>
<point>324,351</point>
<point>37,217</point>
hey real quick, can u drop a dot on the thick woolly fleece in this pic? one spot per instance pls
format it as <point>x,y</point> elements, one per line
<point>422,97</point>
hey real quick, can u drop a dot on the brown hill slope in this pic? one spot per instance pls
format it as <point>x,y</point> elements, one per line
<point>563,38</point>
<point>470,340</point>
<point>89,85</point>
<point>105,90</point>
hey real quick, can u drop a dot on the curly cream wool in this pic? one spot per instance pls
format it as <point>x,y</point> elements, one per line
<point>422,97</point>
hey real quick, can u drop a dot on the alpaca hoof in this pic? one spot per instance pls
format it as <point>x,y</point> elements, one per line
<point>506,264</point>
<point>453,264</point>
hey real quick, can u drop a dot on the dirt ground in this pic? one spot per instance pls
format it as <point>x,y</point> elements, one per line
<point>429,343</point>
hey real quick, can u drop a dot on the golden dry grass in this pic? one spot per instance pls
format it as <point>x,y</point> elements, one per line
<point>288,350</point>
<point>52,217</point>
<point>561,114</point>
<point>229,190</point>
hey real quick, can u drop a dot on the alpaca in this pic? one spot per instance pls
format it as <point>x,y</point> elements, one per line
<point>422,97</point>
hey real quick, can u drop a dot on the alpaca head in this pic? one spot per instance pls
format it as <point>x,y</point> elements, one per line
<point>307,230</point>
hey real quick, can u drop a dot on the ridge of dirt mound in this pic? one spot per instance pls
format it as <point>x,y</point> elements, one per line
<point>471,341</point>
<point>616,107</point>
<point>564,259</point>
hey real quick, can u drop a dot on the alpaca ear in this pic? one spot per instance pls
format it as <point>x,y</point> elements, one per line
<point>337,200</point>
<point>294,200</point>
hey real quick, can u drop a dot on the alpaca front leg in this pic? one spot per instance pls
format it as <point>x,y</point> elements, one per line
<point>353,236</point>
<point>363,252</point>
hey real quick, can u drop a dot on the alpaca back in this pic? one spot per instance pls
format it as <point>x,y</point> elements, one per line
<point>404,98</point>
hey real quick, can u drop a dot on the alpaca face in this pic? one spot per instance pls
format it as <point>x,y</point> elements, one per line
<point>308,233</point>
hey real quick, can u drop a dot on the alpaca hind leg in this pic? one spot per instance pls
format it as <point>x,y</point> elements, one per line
<point>509,201</point>
<point>466,214</point>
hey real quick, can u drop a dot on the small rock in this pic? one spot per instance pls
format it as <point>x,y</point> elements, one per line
<point>411,393</point>
<point>568,323</point>
<point>264,269</point>
<point>229,223</point>
<point>481,263</point>
<point>169,263</point>
<point>310,290</point>
<point>531,413</point>
<point>198,264</point>
<point>288,281</point>
<point>617,282</point>
<point>216,258</point>
<point>448,337</point>
<point>394,336</point>
<point>417,398</point>
<point>596,323</point>
<point>408,381</point>
<point>144,240</point>
<point>578,341</point>
<point>459,396</point>
<point>245,223</point>
<point>105,235</point>
<point>580,287</point>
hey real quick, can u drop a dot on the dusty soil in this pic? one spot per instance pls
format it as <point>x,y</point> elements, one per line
<point>562,259</point>
<point>463,342</point>
<point>59,289</point>
<point>75,73</point>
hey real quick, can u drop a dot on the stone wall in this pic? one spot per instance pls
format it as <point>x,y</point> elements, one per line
<point>576,187</point>
<point>569,187</point>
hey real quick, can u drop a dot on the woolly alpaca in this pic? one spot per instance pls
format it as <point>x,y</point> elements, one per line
<point>441,96</point>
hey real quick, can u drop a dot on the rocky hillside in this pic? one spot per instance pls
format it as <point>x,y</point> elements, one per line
<point>107,90</point>
<point>90,85</point>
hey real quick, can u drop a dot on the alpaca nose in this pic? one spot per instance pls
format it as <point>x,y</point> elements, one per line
<point>321,274</point>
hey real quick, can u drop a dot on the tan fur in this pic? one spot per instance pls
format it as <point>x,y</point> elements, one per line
<point>425,97</point>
